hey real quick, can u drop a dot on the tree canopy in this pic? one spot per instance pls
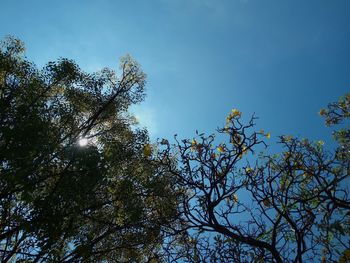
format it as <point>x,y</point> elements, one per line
<point>80,182</point>
<point>75,183</point>
<point>241,206</point>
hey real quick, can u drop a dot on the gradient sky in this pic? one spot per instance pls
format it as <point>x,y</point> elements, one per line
<point>282,59</point>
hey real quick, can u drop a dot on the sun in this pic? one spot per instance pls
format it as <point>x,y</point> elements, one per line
<point>83,142</point>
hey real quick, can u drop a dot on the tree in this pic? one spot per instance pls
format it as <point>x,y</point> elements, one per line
<point>80,183</point>
<point>288,207</point>
<point>76,183</point>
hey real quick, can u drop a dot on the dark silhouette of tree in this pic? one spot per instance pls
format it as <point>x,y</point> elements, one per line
<point>240,206</point>
<point>80,183</point>
<point>76,179</point>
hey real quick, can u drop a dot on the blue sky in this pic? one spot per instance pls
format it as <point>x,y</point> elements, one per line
<point>281,59</point>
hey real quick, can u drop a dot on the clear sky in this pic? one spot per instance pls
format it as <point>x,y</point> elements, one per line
<point>282,59</point>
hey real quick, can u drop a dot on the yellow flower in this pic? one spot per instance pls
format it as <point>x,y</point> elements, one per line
<point>236,112</point>
<point>221,149</point>
<point>320,142</point>
<point>249,170</point>
<point>268,135</point>
<point>322,112</point>
<point>191,240</point>
<point>194,142</point>
<point>234,198</point>
<point>287,138</point>
<point>147,150</point>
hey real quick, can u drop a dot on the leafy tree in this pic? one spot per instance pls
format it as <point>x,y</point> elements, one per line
<point>79,183</point>
<point>76,183</point>
<point>289,207</point>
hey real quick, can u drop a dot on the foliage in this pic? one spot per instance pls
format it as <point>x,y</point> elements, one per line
<point>79,183</point>
<point>288,207</point>
<point>63,202</point>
